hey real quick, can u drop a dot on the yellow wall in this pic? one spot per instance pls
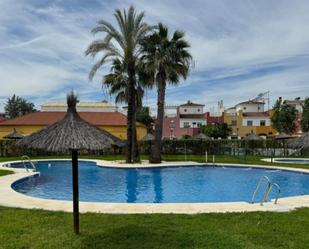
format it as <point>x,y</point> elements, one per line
<point>121,131</point>
<point>242,131</point>
<point>22,129</point>
<point>118,131</point>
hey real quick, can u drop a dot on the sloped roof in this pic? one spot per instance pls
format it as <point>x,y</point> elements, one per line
<point>70,133</point>
<point>251,102</point>
<point>189,103</point>
<point>48,118</point>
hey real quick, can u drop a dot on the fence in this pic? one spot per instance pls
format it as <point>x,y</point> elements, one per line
<point>267,147</point>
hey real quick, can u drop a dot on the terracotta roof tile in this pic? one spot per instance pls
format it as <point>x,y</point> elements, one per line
<point>48,118</point>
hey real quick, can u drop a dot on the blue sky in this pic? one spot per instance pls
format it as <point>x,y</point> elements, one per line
<point>240,48</point>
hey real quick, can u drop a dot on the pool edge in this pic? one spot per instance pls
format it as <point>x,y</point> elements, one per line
<point>11,198</point>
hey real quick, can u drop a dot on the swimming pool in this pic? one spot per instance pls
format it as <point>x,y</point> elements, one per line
<point>292,160</point>
<point>194,184</point>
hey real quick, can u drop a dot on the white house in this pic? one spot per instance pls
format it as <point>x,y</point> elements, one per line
<point>250,106</point>
<point>191,115</point>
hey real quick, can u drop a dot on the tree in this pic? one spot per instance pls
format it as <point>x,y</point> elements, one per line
<point>167,59</point>
<point>216,130</point>
<point>284,116</point>
<point>117,84</point>
<point>122,43</point>
<point>17,106</point>
<point>305,116</point>
<point>143,116</point>
<point>275,118</point>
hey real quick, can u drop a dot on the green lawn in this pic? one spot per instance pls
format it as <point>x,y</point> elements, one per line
<point>21,228</point>
<point>41,229</point>
<point>5,172</point>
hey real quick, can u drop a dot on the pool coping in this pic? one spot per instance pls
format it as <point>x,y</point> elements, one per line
<point>275,160</point>
<point>11,198</point>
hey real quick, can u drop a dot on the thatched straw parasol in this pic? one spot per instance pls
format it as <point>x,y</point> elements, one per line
<point>202,136</point>
<point>252,137</point>
<point>71,134</point>
<point>302,142</point>
<point>282,136</point>
<point>148,137</point>
<point>14,135</point>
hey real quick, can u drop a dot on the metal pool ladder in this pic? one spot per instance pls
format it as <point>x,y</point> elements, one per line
<point>269,187</point>
<point>25,159</point>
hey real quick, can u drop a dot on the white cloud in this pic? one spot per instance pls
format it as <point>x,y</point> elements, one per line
<point>42,53</point>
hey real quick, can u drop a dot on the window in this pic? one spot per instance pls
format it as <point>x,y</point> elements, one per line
<point>199,124</point>
<point>249,123</point>
<point>185,110</point>
<point>263,123</point>
<point>245,108</point>
<point>198,110</point>
<point>259,108</point>
<point>186,124</point>
<point>234,123</point>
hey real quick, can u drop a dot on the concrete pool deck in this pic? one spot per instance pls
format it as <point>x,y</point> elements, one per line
<point>11,198</point>
<point>281,160</point>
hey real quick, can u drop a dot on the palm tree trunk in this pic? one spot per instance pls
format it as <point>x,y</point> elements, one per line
<point>132,146</point>
<point>155,156</point>
<point>136,154</point>
<point>130,113</point>
<point>135,150</point>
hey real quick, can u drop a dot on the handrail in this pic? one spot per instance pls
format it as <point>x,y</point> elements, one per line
<point>24,158</point>
<point>266,193</point>
<point>267,190</point>
<point>278,193</point>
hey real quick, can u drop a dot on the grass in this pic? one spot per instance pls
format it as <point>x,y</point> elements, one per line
<point>4,172</point>
<point>36,229</point>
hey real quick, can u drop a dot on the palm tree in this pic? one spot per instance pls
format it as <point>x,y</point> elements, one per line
<point>117,84</point>
<point>122,43</point>
<point>168,60</point>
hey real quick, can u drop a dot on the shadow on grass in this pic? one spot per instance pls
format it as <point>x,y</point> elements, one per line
<point>132,236</point>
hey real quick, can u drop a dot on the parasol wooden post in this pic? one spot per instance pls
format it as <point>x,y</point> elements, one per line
<point>75,190</point>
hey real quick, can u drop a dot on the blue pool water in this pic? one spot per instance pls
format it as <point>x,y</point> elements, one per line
<point>157,185</point>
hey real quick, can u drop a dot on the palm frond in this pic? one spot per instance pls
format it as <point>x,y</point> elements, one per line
<point>98,64</point>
